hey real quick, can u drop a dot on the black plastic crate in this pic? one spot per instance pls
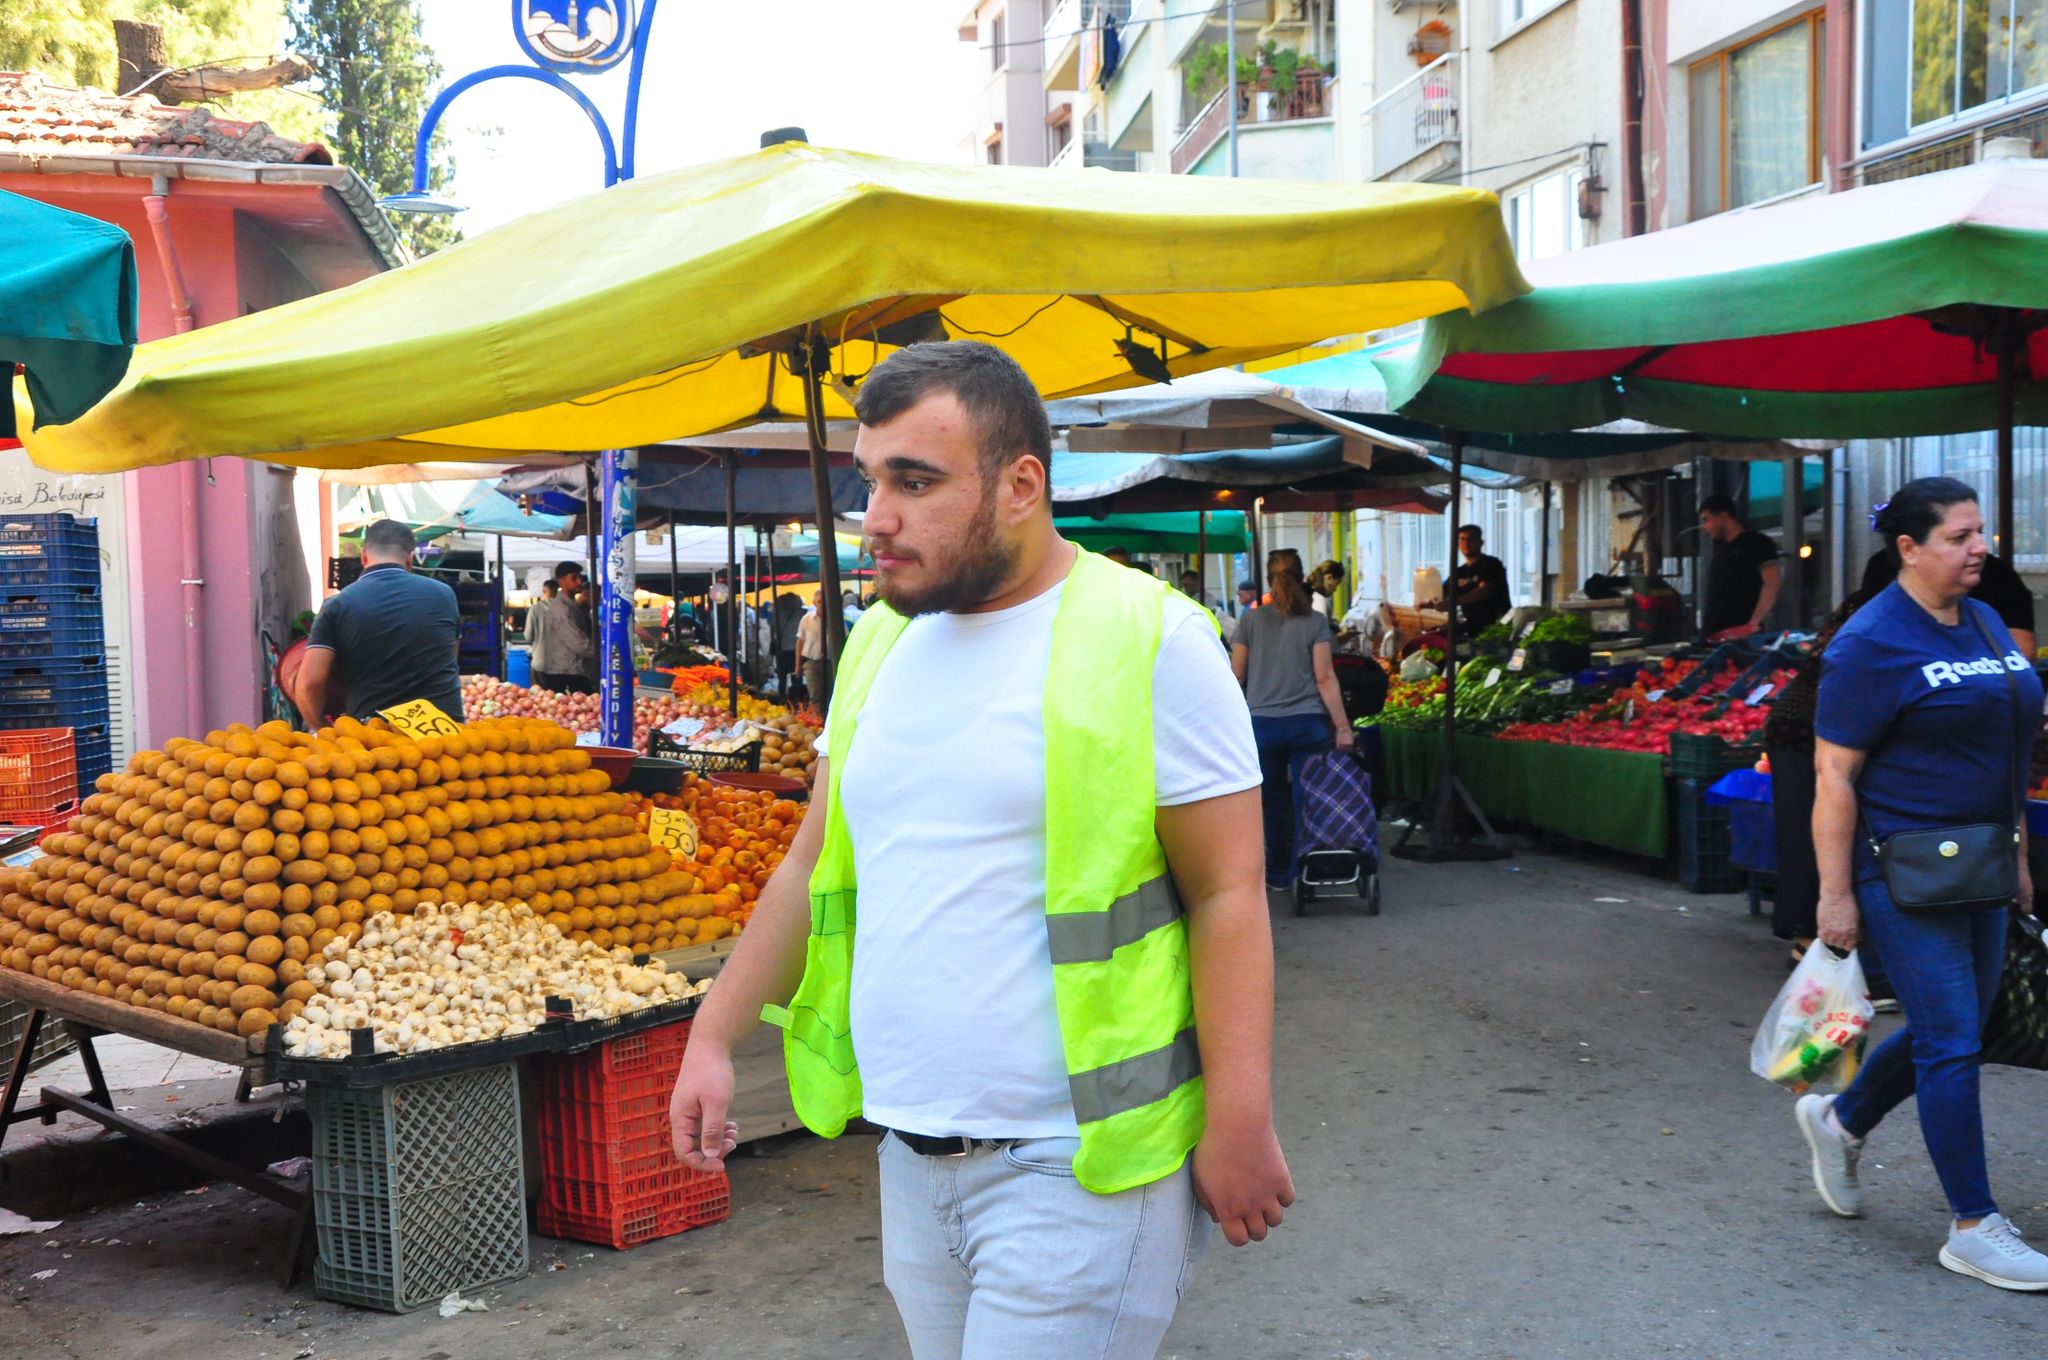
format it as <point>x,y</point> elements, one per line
<point>1706,861</point>
<point>419,1188</point>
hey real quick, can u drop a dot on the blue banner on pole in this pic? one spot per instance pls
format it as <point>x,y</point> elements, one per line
<point>616,566</point>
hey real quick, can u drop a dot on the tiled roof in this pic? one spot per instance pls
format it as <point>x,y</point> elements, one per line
<point>38,118</point>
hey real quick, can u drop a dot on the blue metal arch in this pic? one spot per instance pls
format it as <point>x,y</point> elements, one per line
<point>448,96</point>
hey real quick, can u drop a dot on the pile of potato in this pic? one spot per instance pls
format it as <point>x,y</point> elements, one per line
<point>788,748</point>
<point>202,881</point>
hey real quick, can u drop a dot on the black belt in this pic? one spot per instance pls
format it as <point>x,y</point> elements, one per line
<point>956,1145</point>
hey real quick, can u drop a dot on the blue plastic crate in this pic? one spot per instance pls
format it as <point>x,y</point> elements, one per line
<point>83,711</point>
<point>1705,862</point>
<point>18,650</point>
<point>41,565</point>
<point>67,620</point>
<point>27,534</point>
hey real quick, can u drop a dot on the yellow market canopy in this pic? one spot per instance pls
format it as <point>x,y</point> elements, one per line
<point>676,304</point>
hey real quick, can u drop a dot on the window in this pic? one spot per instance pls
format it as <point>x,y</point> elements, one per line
<point>995,149</point>
<point>1755,118</point>
<point>1515,13</point>
<point>1928,61</point>
<point>1543,217</point>
<point>998,50</point>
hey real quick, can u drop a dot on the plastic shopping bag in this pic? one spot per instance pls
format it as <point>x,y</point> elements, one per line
<point>1815,1030</point>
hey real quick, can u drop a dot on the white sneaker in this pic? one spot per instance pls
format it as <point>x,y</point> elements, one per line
<point>1993,1252</point>
<point>1835,1156</point>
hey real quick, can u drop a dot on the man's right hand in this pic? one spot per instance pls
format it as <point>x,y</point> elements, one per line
<point>702,1135</point>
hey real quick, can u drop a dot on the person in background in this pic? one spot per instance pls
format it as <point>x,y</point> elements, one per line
<point>2000,587</point>
<point>1926,719</point>
<point>394,632</point>
<point>810,650</point>
<point>849,607</point>
<point>1788,745</point>
<point>1191,586</point>
<point>1480,588</point>
<point>789,612</point>
<point>564,654</point>
<point>1119,555</point>
<point>1247,597</point>
<point>1324,583</point>
<point>537,612</point>
<point>1281,655</point>
<point>1743,577</point>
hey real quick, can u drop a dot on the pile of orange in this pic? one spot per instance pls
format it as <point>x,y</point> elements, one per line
<point>742,836</point>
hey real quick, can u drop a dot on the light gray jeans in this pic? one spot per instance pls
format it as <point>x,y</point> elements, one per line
<point>1001,1255</point>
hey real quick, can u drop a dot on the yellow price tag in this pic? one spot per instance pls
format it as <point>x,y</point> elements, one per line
<point>673,830</point>
<point>419,719</point>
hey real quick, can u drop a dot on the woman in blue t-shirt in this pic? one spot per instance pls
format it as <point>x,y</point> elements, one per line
<point>1926,707</point>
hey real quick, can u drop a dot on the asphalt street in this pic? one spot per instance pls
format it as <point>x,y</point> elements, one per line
<point>1518,1110</point>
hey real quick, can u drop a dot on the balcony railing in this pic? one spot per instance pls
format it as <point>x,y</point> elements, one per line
<point>1415,117</point>
<point>1959,148</point>
<point>1308,97</point>
<point>1068,157</point>
<point>1062,41</point>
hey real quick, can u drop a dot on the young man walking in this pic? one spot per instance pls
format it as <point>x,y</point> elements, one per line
<point>1023,927</point>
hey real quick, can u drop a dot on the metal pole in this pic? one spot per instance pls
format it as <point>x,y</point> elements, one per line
<point>498,640</point>
<point>1543,563</point>
<point>1202,559</point>
<point>593,512</point>
<point>1792,519</point>
<point>1258,563</point>
<point>2009,338</point>
<point>1440,826</point>
<point>621,507</point>
<point>812,362</point>
<point>1230,78</point>
<point>675,572</point>
<point>731,608</point>
<point>775,618</point>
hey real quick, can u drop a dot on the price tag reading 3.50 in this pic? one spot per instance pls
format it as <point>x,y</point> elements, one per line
<point>673,830</point>
<point>419,719</point>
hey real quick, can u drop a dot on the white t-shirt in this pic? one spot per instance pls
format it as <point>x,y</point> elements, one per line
<point>954,1023</point>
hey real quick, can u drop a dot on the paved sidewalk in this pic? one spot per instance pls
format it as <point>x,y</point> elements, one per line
<point>1519,1114</point>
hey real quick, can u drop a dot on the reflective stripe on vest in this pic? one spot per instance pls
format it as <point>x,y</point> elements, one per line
<point>1115,928</point>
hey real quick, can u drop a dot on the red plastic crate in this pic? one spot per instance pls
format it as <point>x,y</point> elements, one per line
<point>38,775</point>
<point>609,1174</point>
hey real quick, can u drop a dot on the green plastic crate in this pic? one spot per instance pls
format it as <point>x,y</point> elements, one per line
<point>419,1188</point>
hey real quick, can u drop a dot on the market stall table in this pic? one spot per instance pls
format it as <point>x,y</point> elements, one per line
<point>1616,799</point>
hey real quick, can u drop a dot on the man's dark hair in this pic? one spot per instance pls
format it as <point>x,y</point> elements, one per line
<point>1720,505</point>
<point>1008,414</point>
<point>567,568</point>
<point>548,586</point>
<point>389,538</point>
<point>1473,530</point>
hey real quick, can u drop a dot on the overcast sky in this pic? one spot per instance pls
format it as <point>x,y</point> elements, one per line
<point>889,76</point>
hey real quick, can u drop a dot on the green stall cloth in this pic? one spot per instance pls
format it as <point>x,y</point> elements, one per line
<point>1619,799</point>
<point>1166,531</point>
<point>67,306</point>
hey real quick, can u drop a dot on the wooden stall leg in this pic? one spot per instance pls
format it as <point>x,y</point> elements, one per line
<point>96,1081</point>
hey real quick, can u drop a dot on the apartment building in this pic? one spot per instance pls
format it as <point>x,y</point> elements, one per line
<point>1592,119</point>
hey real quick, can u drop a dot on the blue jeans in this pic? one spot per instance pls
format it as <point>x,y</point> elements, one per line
<point>1945,970</point>
<point>1284,744</point>
<point>1002,1254</point>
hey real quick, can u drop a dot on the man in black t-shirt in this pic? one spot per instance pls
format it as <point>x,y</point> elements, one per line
<point>1743,578</point>
<point>392,637</point>
<point>1481,585</point>
<point>2000,587</point>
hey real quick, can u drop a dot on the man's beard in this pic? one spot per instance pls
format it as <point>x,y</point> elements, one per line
<point>967,577</point>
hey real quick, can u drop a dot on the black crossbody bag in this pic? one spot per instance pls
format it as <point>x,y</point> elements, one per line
<point>1955,869</point>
